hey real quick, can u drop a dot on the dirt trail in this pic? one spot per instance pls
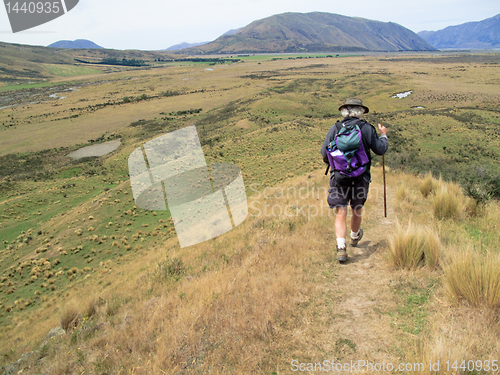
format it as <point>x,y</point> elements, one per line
<point>349,317</point>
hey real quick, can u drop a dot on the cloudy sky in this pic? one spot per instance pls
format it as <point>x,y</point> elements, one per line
<point>158,24</point>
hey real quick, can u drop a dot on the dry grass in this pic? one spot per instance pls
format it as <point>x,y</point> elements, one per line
<point>414,246</point>
<point>428,186</point>
<point>448,201</point>
<point>69,316</point>
<point>233,304</point>
<point>226,304</point>
<point>402,193</point>
<point>89,306</point>
<point>463,318</point>
<point>458,334</point>
<point>473,277</point>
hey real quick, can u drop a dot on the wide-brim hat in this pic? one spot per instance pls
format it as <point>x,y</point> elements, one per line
<point>354,102</point>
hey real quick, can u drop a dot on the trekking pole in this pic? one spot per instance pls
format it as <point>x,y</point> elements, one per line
<point>383,174</point>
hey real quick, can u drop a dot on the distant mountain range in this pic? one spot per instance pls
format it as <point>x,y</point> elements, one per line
<point>75,44</point>
<point>328,32</point>
<point>184,45</point>
<point>471,35</point>
<point>177,47</point>
<point>315,32</point>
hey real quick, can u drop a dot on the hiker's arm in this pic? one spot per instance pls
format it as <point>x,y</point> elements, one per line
<point>326,142</point>
<point>383,130</point>
<point>378,144</point>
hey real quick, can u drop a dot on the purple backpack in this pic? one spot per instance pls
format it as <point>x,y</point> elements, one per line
<point>346,153</point>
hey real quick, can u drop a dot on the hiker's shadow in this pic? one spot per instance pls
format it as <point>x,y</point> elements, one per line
<point>363,251</point>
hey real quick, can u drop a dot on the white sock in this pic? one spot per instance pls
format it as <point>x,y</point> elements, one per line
<point>354,234</point>
<point>340,243</point>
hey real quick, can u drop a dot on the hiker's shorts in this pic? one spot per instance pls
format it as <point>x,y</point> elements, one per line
<point>342,196</point>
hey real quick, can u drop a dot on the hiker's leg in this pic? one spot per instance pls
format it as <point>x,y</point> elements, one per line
<point>357,203</point>
<point>338,199</point>
<point>356,219</point>
<point>340,222</point>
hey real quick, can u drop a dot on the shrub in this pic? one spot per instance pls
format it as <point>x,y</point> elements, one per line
<point>481,182</point>
<point>473,277</point>
<point>414,247</point>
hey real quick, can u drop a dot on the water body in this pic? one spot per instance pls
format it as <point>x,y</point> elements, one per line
<point>402,95</point>
<point>100,149</point>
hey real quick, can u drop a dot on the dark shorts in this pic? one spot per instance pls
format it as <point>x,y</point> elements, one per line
<point>342,196</point>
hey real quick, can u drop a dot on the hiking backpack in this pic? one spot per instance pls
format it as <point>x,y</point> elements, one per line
<point>346,153</point>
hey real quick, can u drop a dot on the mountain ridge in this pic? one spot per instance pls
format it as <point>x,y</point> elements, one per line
<point>483,34</point>
<point>315,32</point>
<point>184,45</point>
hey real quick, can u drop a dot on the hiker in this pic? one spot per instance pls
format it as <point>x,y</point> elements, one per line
<point>350,168</point>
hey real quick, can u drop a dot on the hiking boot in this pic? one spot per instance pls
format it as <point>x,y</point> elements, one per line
<point>341,254</point>
<point>355,241</point>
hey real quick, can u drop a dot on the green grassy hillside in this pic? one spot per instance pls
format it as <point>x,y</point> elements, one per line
<point>22,65</point>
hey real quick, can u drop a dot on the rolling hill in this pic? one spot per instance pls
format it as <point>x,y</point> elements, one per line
<point>74,44</point>
<point>476,35</point>
<point>315,32</point>
<point>26,64</point>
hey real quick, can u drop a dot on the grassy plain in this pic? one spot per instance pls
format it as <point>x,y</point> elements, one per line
<point>71,228</point>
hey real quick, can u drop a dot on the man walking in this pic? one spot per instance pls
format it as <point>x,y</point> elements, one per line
<point>350,176</point>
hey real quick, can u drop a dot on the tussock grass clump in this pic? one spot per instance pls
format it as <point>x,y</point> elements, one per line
<point>414,246</point>
<point>405,195</point>
<point>402,193</point>
<point>473,277</point>
<point>428,186</point>
<point>448,201</point>
<point>69,317</point>
<point>89,307</point>
<point>472,208</point>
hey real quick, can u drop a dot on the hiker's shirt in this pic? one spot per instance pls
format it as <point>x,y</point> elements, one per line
<point>371,141</point>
